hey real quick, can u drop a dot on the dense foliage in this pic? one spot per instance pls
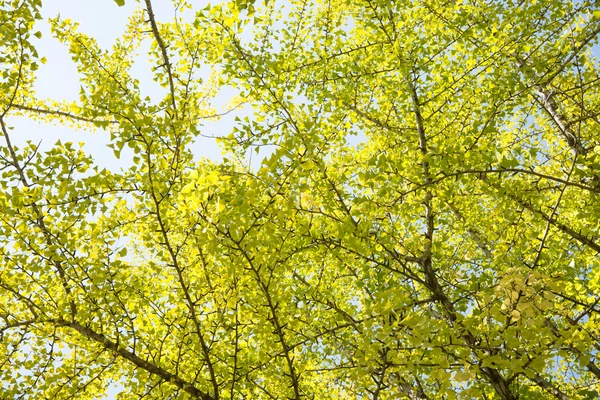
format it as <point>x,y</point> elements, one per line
<point>425,227</point>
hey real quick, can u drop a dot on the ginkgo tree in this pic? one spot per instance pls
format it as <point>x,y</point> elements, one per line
<point>425,226</point>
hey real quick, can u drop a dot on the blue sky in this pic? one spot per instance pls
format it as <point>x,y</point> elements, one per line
<point>58,79</point>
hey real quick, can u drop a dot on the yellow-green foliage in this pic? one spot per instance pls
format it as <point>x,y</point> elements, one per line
<point>426,226</point>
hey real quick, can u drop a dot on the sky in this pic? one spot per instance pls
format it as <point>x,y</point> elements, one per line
<point>105,21</point>
<point>58,79</point>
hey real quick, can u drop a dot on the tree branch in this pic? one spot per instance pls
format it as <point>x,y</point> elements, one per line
<point>163,50</point>
<point>137,361</point>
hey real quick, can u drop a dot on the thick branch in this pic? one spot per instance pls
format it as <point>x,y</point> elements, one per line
<point>163,51</point>
<point>137,361</point>
<point>552,220</point>
<point>496,379</point>
<point>546,100</point>
<point>549,387</point>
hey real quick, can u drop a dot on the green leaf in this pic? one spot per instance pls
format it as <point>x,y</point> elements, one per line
<point>413,264</point>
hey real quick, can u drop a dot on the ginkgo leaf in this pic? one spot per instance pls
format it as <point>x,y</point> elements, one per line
<point>405,206</point>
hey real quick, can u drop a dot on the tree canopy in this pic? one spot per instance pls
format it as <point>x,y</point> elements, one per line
<point>425,226</point>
